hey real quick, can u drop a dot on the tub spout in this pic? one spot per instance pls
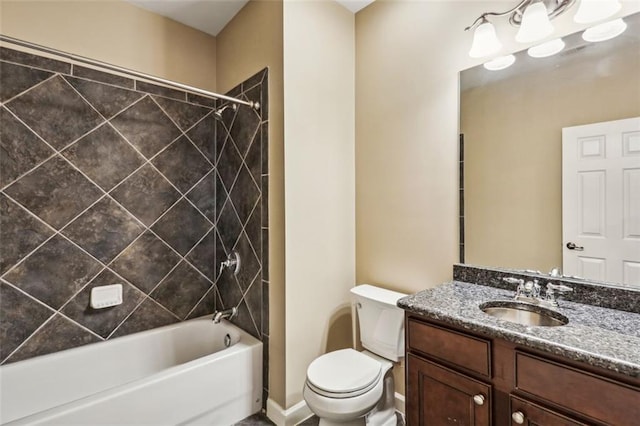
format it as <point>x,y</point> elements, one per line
<point>228,314</point>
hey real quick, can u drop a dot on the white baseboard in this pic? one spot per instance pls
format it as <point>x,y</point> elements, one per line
<point>289,417</point>
<point>301,411</point>
<point>399,403</point>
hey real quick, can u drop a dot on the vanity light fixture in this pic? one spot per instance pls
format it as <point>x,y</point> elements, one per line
<point>605,31</point>
<point>546,49</point>
<point>500,63</point>
<point>535,24</point>
<point>533,17</point>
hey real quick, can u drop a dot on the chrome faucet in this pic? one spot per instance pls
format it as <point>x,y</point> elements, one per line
<point>530,291</point>
<point>228,314</point>
<point>232,262</point>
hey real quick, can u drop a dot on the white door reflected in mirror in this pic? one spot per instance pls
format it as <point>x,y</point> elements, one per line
<point>601,201</point>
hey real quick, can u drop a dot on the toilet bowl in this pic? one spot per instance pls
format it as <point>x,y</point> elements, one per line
<point>347,387</point>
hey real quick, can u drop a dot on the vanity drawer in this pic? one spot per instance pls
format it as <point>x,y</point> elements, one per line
<point>462,350</point>
<point>587,394</point>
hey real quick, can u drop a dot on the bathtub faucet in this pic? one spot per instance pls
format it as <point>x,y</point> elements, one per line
<point>228,314</point>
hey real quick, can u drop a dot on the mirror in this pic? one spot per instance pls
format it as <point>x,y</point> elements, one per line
<point>512,120</point>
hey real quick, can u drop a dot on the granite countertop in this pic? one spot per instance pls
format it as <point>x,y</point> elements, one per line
<point>601,337</point>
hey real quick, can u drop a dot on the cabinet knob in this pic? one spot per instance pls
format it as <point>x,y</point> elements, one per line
<point>478,399</point>
<point>518,417</point>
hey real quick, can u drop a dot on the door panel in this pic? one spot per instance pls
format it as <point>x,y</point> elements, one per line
<point>601,201</point>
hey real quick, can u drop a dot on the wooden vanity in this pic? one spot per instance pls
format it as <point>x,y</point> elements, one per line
<point>458,377</point>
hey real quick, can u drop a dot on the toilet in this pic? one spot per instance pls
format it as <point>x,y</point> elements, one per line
<point>347,387</point>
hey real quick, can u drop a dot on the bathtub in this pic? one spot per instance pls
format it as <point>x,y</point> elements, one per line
<point>182,374</point>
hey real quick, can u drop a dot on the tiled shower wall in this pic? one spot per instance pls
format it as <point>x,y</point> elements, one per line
<point>107,179</point>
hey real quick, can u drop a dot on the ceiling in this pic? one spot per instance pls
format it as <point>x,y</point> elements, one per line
<point>211,16</point>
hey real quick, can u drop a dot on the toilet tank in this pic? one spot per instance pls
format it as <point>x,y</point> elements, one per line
<point>381,321</point>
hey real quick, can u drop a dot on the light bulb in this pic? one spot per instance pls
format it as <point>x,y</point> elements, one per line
<point>535,24</point>
<point>596,10</point>
<point>605,31</point>
<point>500,63</point>
<point>485,41</point>
<point>549,48</point>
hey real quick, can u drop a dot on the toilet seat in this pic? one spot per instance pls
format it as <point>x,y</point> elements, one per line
<point>345,373</point>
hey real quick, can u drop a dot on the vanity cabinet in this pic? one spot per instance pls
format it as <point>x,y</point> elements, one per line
<point>455,377</point>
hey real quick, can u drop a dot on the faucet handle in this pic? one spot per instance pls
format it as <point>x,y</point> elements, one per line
<point>512,280</point>
<point>560,288</point>
<point>551,292</point>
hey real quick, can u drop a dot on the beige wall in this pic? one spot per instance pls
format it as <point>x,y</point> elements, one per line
<point>408,55</point>
<point>319,85</point>
<point>118,33</point>
<point>513,154</point>
<point>250,42</point>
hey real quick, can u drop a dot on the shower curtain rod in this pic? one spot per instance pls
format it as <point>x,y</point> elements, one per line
<point>82,59</point>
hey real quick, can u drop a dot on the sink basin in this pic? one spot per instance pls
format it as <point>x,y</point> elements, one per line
<point>523,313</point>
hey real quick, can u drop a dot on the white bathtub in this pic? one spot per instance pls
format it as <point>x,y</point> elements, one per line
<point>182,374</point>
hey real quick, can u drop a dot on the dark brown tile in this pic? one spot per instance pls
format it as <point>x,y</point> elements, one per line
<point>54,273</point>
<point>244,128</point>
<point>253,229</point>
<point>146,194</point>
<point>203,195</point>
<point>221,196</point>
<point>182,227</point>
<point>56,335</point>
<point>182,164</point>
<point>253,80</point>
<point>55,112</point>
<point>181,290</point>
<point>28,59</point>
<point>245,194</point>
<point>103,77</point>
<point>148,315</point>
<point>250,264</point>
<point>55,192</point>
<point>245,321</point>
<point>203,256</point>
<point>21,149</point>
<point>229,164</point>
<point>201,100</point>
<point>264,151</point>
<point>145,262</point>
<point>104,156</point>
<point>254,94</point>
<point>253,299</point>
<point>264,257</point>
<point>20,317</point>
<point>102,321</point>
<point>220,254</point>
<point>183,114</point>
<point>104,230</point>
<point>15,79</point>
<point>264,201</point>
<point>256,420</point>
<point>108,100</point>
<point>265,308</point>
<point>146,127</point>
<point>229,290</point>
<point>154,89</point>
<point>229,226</point>
<point>203,136</point>
<point>206,306</point>
<point>253,160</point>
<point>21,233</point>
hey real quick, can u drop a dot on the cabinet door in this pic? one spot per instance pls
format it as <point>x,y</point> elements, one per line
<point>438,396</point>
<point>527,413</point>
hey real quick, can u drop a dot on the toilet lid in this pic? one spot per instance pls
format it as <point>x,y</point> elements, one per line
<point>343,371</point>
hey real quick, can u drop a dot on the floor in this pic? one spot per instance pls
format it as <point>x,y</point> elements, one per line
<point>262,420</point>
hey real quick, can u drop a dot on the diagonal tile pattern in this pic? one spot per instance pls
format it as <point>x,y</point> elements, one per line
<point>108,180</point>
<point>56,112</point>
<point>21,148</point>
